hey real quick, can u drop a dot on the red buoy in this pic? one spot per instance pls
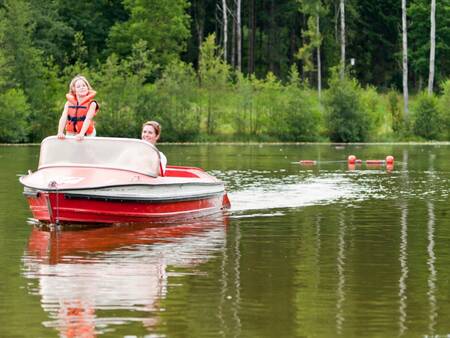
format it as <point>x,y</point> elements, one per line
<point>374,162</point>
<point>307,162</point>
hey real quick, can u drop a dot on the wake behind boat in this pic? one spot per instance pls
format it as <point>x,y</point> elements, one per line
<point>116,180</point>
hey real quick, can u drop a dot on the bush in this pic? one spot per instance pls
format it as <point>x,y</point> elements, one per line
<point>301,118</point>
<point>346,119</point>
<point>427,119</point>
<point>14,111</point>
<point>121,99</point>
<point>395,112</point>
<point>173,103</point>
<point>443,107</point>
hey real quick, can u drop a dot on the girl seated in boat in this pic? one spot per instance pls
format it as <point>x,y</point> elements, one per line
<point>151,130</point>
<point>79,110</point>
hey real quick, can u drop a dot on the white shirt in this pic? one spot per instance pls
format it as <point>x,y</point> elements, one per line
<point>163,162</point>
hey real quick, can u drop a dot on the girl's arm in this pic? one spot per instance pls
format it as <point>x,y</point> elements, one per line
<point>63,121</point>
<point>90,114</point>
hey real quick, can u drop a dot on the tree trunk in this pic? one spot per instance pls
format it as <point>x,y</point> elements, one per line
<point>199,18</point>
<point>251,37</point>
<point>271,37</point>
<point>405,60</point>
<point>238,35</point>
<point>233,43</point>
<point>336,19</point>
<point>225,29</point>
<point>432,45</point>
<point>342,9</point>
<point>319,64</point>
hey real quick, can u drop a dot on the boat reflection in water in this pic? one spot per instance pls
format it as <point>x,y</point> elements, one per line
<point>92,280</point>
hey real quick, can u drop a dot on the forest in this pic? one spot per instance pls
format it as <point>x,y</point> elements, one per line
<point>231,70</point>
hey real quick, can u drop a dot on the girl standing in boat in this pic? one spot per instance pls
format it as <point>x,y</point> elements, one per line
<point>79,110</point>
<point>151,130</point>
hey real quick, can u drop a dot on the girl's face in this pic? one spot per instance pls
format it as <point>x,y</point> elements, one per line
<point>81,88</point>
<point>149,134</point>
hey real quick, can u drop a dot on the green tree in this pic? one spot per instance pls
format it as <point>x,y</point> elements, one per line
<point>443,104</point>
<point>175,103</point>
<point>244,112</point>
<point>301,116</point>
<point>214,79</point>
<point>122,93</point>
<point>25,69</point>
<point>14,111</point>
<point>51,31</point>
<point>163,24</point>
<point>346,119</point>
<point>375,42</point>
<point>419,36</point>
<point>427,119</point>
<point>269,106</point>
<point>395,112</point>
<point>94,20</point>
<point>312,38</point>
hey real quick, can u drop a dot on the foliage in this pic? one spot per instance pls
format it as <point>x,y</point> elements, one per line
<point>395,112</point>
<point>302,117</point>
<point>375,42</point>
<point>346,118</point>
<point>374,112</point>
<point>419,35</point>
<point>25,69</point>
<point>268,105</point>
<point>312,40</point>
<point>93,19</point>
<point>148,60</point>
<point>51,33</point>
<point>14,111</point>
<point>213,78</point>
<point>163,24</point>
<point>175,104</point>
<point>121,96</point>
<point>443,106</point>
<point>427,119</point>
<point>244,106</point>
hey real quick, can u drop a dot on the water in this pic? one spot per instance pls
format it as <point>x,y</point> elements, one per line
<point>305,251</point>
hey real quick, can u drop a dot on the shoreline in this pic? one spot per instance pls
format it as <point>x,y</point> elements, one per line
<point>271,143</point>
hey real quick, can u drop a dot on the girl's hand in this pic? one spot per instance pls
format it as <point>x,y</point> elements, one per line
<point>61,136</point>
<point>79,137</point>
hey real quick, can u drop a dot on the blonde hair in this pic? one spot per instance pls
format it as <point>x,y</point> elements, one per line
<point>155,125</point>
<point>75,79</point>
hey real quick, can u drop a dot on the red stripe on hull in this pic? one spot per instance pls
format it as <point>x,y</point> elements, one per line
<point>97,211</point>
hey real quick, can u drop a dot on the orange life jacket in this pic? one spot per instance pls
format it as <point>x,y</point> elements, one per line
<point>77,112</point>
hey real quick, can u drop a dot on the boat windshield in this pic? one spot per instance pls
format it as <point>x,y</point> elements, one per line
<point>102,152</point>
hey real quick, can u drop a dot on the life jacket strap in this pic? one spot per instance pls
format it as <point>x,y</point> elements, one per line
<point>78,107</point>
<point>75,119</point>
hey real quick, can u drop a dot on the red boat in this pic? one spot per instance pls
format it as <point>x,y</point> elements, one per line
<point>116,180</point>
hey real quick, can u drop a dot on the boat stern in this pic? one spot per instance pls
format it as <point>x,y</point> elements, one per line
<point>40,205</point>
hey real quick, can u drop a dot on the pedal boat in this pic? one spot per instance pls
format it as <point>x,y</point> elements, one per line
<point>116,180</point>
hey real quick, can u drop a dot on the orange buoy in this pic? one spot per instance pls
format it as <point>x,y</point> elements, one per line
<point>307,162</point>
<point>351,159</point>
<point>389,159</point>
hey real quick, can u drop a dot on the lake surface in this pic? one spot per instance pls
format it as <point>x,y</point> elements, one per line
<point>323,250</point>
